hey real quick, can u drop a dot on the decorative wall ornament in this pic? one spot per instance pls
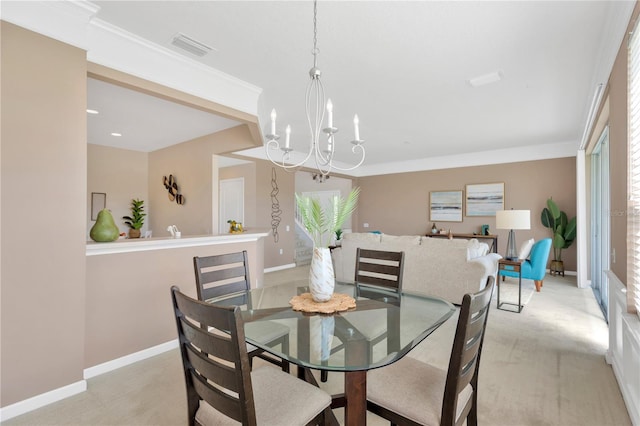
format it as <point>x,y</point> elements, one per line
<point>171,185</point>
<point>276,212</point>
<point>320,178</point>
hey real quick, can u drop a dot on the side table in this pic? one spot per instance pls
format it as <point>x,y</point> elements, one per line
<point>511,266</point>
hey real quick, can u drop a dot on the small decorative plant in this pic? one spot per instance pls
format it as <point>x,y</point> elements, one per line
<point>322,225</point>
<point>563,231</point>
<point>136,220</point>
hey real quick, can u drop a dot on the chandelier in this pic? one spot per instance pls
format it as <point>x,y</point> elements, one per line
<point>323,150</point>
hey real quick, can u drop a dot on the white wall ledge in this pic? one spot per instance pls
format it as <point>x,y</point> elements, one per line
<point>148,244</point>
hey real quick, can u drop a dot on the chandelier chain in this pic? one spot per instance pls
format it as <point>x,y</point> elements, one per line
<point>323,151</point>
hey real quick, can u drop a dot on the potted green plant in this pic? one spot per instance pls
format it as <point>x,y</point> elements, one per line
<point>321,226</point>
<point>136,220</point>
<point>563,232</point>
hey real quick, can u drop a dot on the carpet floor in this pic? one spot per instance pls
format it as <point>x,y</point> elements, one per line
<point>543,366</point>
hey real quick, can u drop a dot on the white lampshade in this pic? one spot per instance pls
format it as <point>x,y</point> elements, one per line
<point>513,219</point>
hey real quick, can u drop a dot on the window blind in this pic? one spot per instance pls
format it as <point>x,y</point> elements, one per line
<point>633,178</point>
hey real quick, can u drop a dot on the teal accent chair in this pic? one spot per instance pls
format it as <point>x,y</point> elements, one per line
<point>535,267</point>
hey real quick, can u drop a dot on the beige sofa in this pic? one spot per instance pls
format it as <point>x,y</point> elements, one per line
<point>436,266</point>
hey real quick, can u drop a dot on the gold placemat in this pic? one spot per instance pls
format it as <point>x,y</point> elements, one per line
<point>338,302</point>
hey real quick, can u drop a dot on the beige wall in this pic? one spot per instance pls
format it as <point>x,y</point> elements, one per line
<point>191,164</point>
<point>44,186</point>
<point>398,204</point>
<point>128,303</point>
<point>618,160</point>
<point>122,174</point>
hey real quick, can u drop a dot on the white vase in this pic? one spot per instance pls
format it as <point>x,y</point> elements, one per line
<point>321,329</point>
<point>321,278</point>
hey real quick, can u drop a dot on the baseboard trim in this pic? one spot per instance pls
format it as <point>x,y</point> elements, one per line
<point>129,359</point>
<point>39,401</point>
<point>114,364</point>
<point>280,268</point>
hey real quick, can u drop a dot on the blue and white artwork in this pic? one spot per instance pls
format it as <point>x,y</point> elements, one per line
<point>485,199</point>
<point>446,206</point>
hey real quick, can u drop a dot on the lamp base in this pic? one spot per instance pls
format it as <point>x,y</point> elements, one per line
<point>512,252</point>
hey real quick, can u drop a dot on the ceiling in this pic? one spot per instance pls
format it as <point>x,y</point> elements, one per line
<point>403,67</point>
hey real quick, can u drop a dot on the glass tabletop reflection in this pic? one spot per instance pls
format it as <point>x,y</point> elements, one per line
<point>382,328</point>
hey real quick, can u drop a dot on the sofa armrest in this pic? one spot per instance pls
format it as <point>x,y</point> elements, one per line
<point>490,264</point>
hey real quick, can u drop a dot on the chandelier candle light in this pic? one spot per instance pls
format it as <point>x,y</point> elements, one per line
<point>315,110</point>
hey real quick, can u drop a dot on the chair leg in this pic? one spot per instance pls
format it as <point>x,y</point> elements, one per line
<point>538,285</point>
<point>324,376</point>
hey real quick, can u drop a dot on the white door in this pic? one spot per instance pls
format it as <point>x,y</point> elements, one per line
<point>231,203</point>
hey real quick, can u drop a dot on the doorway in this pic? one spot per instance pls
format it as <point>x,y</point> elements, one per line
<point>231,203</point>
<point>600,221</point>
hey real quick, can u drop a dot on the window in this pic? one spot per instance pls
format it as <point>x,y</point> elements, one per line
<point>633,178</point>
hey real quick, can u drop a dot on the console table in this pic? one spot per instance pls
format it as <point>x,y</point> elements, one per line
<point>493,246</point>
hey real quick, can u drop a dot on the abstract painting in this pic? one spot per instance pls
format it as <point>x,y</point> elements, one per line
<point>445,206</point>
<point>484,199</point>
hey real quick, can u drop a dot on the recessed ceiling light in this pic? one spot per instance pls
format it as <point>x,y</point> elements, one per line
<point>92,111</point>
<point>116,134</point>
<point>485,79</point>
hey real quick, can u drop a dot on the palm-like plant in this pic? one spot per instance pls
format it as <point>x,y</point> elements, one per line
<point>563,230</point>
<point>321,224</point>
<point>136,220</point>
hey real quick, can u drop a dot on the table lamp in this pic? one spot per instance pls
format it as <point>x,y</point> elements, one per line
<point>513,219</point>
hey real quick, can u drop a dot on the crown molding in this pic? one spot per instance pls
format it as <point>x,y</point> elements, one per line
<point>115,48</point>
<point>74,22</point>
<point>65,21</point>
<point>484,158</point>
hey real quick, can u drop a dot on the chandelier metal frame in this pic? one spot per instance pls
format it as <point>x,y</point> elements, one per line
<point>315,110</point>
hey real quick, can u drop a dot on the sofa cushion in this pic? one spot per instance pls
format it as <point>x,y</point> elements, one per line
<point>362,236</point>
<point>400,240</point>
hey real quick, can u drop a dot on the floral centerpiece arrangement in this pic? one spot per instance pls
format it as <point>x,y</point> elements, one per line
<point>321,226</point>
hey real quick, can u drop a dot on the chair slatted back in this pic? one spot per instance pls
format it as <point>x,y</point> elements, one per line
<point>465,354</point>
<point>379,268</point>
<point>214,358</point>
<point>220,275</point>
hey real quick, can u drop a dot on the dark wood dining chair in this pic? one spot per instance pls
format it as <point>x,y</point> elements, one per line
<point>379,269</point>
<point>411,392</point>
<point>228,275</point>
<point>220,384</point>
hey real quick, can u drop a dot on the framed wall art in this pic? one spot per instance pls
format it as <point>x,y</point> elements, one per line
<point>484,199</point>
<point>445,206</point>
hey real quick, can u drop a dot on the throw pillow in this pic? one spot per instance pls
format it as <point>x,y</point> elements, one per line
<point>476,249</point>
<point>525,249</point>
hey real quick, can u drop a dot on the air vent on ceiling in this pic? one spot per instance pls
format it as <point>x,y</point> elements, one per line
<point>190,45</point>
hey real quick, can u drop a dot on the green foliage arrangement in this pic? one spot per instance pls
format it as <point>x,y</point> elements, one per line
<point>322,225</point>
<point>563,230</point>
<point>136,220</point>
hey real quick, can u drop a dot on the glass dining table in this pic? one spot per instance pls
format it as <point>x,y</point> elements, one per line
<point>382,328</point>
